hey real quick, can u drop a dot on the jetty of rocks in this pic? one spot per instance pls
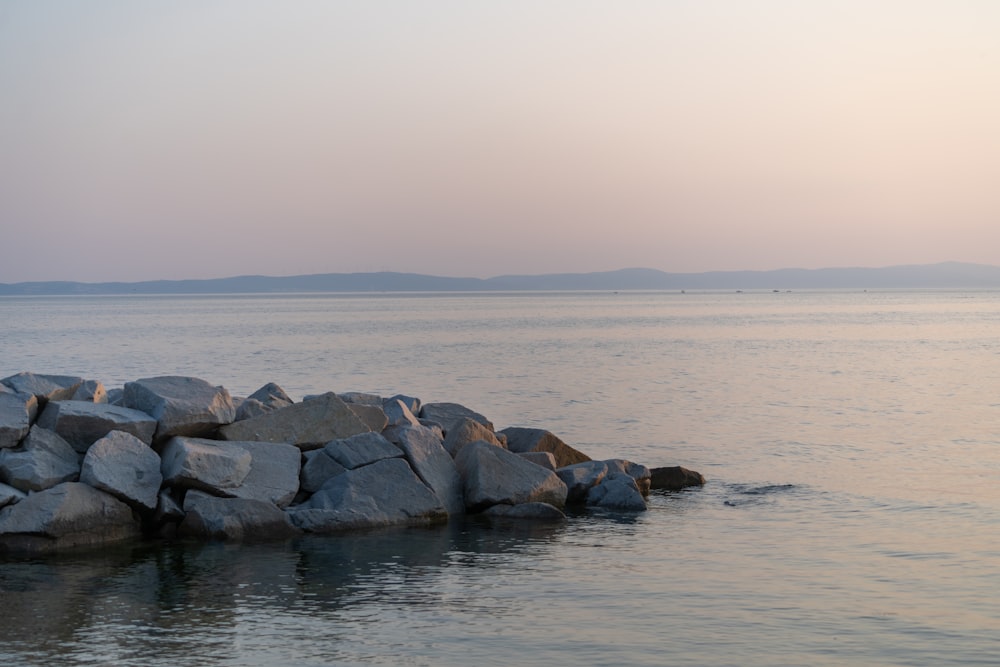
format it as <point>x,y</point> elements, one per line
<point>176,456</point>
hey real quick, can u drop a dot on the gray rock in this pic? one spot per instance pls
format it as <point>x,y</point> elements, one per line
<point>167,508</point>
<point>636,471</point>
<point>70,514</point>
<point>447,414</point>
<point>494,476</point>
<point>124,466</point>
<point>44,387</point>
<point>245,519</point>
<point>539,440</point>
<point>373,416</point>
<point>17,412</point>
<point>44,460</point>
<point>398,414</point>
<point>181,405</point>
<point>361,450</point>
<point>81,423</point>
<point>360,398</point>
<point>412,403</point>
<point>544,459</point>
<point>317,469</point>
<point>208,465</point>
<point>268,398</point>
<point>433,464</point>
<point>274,473</point>
<point>307,425</point>
<point>249,408</point>
<point>90,390</point>
<point>618,491</point>
<point>674,478</point>
<point>384,493</point>
<point>9,495</point>
<point>116,396</point>
<point>580,478</point>
<point>525,511</point>
<point>465,430</point>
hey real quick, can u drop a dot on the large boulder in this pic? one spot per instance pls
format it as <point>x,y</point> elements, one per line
<point>317,468</point>
<point>44,387</point>
<point>268,398</point>
<point>9,495</point>
<point>70,514</point>
<point>493,476</point>
<point>636,471</point>
<point>580,478</point>
<point>433,464</point>
<point>384,493</point>
<point>208,465</point>
<point>307,425</point>
<point>245,519</point>
<point>124,466</point>
<point>520,440</point>
<point>674,478</point>
<point>617,491</point>
<point>373,416</point>
<point>43,461</point>
<point>274,473</point>
<point>81,423</point>
<point>17,412</point>
<point>181,405</point>
<point>399,414</point>
<point>361,450</point>
<point>90,390</point>
<point>448,414</point>
<point>465,430</point>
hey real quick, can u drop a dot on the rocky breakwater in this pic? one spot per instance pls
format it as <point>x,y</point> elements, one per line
<point>178,456</point>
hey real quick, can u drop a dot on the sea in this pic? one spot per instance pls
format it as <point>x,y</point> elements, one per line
<point>851,516</point>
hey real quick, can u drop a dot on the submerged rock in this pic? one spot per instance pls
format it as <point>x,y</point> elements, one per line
<point>674,478</point>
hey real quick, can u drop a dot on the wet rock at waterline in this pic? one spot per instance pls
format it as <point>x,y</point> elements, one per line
<point>173,456</point>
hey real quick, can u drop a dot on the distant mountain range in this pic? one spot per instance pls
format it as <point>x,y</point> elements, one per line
<point>947,275</point>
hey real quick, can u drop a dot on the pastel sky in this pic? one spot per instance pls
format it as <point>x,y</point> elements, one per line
<point>201,138</point>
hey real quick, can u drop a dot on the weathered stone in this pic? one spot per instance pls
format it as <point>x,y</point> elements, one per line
<point>361,450</point>
<point>9,495</point>
<point>70,514</point>
<point>373,416</point>
<point>268,398</point>
<point>398,414</point>
<point>245,519</point>
<point>167,508</point>
<point>636,471</point>
<point>125,467</point>
<point>17,412</point>
<point>274,473</point>
<point>580,478</point>
<point>209,465</point>
<point>448,414</point>
<point>360,398</point>
<point>493,476</point>
<point>90,390</point>
<point>116,396</point>
<point>412,403</point>
<point>317,469</point>
<point>433,464</point>
<point>384,493</point>
<point>307,425</point>
<point>544,459</point>
<point>44,460</point>
<point>618,491</point>
<point>525,511</point>
<point>521,440</point>
<point>81,423</point>
<point>44,387</point>
<point>465,430</point>
<point>674,478</point>
<point>181,405</point>
<point>249,408</point>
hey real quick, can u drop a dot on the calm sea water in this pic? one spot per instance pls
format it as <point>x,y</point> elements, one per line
<point>852,514</point>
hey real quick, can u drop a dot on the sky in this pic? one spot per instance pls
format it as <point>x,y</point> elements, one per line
<point>213,138</point>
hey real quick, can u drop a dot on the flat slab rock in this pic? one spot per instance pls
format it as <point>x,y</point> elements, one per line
<point>307,425</point>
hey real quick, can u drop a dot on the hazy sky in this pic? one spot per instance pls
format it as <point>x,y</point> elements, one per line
<point>145,140</point>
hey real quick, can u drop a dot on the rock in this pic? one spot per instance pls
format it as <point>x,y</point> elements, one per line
<point>674,478</point>
<point>208,465</point>
<point>398,414</point>
<point>9,495</point>
<point>272,396</point>
<point>580,478</point>
<point>544,459</point>
<point>373,416</point>
<point>636,471</point>
<point>307,425</point>
<point>465,430</point>
<point>317,469</point>
<point>522,440</point>
<point>433,464</point>
<point>44,460</point>
<point>167,508</point>
<point>525,511</point>
<point>447,414</point>
<point>274,473</point>
<point>412,403</point>
<point>360,398</point>
<point>249,408</point>
<point>493,476</point>
<point>90,390</point>
<point>17,412</point>
<point>124,466</point>
<point>181,405</point>
<point>44,387</point>
<point>361,450</point>
<point>116,396</point>
<point>384,493</point>
<point>618,491</point>
<point>81,423</point>
<point>245,519</point>
<point>68,515</point>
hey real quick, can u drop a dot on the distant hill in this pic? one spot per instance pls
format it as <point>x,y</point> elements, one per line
<point>940,276</point>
